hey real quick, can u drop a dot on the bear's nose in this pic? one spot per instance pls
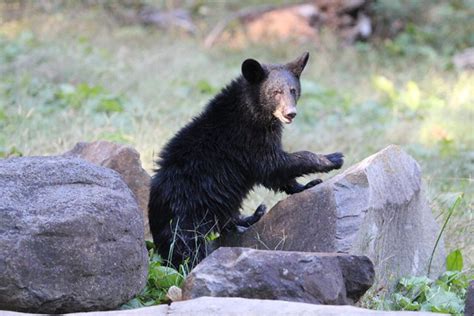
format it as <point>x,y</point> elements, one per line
<point>290,115</point>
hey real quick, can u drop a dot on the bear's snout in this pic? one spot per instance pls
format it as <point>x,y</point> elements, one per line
<point>290,115</point>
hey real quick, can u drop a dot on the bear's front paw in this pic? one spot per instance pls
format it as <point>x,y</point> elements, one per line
<point>336,159</point>
<point>312,183</point>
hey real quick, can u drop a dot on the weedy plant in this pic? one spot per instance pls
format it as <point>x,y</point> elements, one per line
<point>443,295</point>
<point>160,279</point>
<point>446,294</point>
<point>162,275</point>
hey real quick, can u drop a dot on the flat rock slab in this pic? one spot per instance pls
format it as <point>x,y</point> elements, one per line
<point>126,161</point>
<point>71,237</point>
<point>222,306</point>
<point>317,278</point>
<point>375,208</point>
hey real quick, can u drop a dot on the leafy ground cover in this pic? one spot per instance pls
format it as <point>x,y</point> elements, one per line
<point>160,279</point>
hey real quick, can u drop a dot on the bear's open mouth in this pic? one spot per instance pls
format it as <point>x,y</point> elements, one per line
<point>289,117</point>
<point>287,120</point>
<point>283,118</point>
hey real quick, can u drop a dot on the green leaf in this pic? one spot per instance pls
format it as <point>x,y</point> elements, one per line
<point>205,87</point>
<point>212,236</point>
<point>10,152</point>
<point>132,304</point>
<point>385,85</point>
<point>149,245</point>
<point>89,91</point>
<point>454,261</point>
<point>3,115</point>
<point>404,303</point>
<point>165,277</point>
<point>444,301</point>
<point>414,288</point>
<point>109,105</point>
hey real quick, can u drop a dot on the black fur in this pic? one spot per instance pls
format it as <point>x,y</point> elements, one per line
<point>209,166</point>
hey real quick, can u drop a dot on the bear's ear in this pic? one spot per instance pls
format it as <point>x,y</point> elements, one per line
<point>252,71</point>
<point>296,66</point>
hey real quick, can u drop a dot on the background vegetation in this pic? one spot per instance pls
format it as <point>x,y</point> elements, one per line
<point>69,72</point>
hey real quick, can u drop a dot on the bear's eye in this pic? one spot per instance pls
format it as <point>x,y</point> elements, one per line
<point>293,91</point>
<point>279,91</point>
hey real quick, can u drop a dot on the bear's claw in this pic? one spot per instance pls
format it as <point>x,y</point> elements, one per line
<point>337,159</point>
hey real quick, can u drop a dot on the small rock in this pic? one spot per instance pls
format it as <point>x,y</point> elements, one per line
<point>375,208</point>
<point>281,275</point>
<point>174,294</point>
<point>71,237</point>
<point>126,161</point>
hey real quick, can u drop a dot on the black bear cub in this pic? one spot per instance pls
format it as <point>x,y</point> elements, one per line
<point>210,165</point>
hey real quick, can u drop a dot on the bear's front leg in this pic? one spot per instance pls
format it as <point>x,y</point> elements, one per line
<point>294,165</point>
<point>305,162</point>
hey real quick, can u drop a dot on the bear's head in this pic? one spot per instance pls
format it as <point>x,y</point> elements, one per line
<point>277,87</point>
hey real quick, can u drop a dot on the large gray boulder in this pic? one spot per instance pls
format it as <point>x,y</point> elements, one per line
<point>71,237</point>
<point>126,161</point>
<point>318,278</point>
<point>376,208</point>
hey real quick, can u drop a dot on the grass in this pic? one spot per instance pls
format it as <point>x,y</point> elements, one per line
<point>77,76</point>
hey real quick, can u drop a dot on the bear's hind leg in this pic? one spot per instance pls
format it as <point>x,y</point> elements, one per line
<point>187,247</point>
<point>295,187</point>
<point>252,219</point>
